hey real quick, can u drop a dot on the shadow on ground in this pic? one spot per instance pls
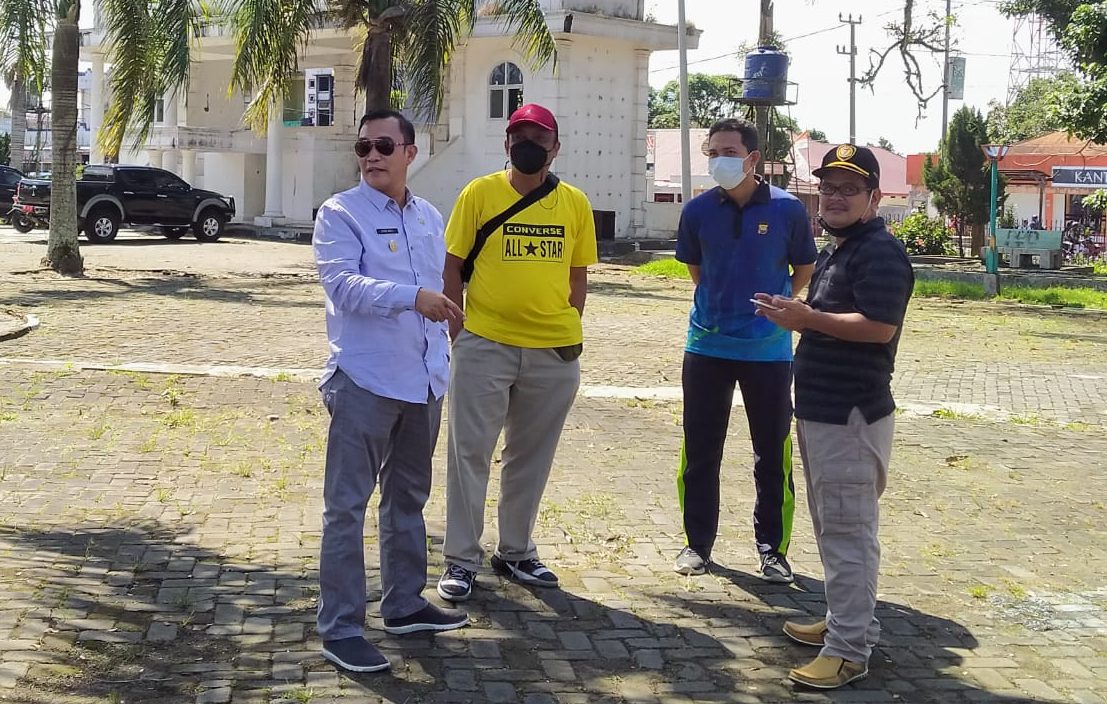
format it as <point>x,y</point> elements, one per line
<point>135,613</point>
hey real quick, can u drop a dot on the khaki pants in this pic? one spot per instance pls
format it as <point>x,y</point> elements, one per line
<point>846,469</point>
<point>526,393</point>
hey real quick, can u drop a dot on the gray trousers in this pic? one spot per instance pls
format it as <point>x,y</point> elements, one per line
<point>373,439</point>
<point>846,468</point>
<point>527,393</point>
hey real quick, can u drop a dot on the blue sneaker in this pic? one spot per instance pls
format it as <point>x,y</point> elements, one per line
<point>355,654</point>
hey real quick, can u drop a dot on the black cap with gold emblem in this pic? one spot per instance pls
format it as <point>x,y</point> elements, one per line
<point>858,160</point>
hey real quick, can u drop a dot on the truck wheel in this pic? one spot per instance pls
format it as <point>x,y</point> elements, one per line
<point>102,226</point>
<point>209,226</point>
<point>174,233</point>
<point>22,223</point>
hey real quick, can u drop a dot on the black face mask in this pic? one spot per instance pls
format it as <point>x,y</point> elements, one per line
<point>528,157</point>
<point>846,231</point>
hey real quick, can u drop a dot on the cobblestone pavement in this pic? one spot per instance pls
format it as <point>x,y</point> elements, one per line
<point>159,533</point>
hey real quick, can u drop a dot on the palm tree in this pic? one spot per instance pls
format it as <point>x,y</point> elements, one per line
<point>22,62</point>
<point>149,46</point>
<point>400,41</point>
<point>62,252</point>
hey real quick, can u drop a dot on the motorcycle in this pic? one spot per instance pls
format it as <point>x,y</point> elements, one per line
<point>25,218</point>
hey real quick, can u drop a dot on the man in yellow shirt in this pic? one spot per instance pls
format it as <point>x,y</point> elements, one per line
<point>515,364</point>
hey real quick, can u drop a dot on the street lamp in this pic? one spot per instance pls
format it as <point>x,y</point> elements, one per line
<point>994,152</point>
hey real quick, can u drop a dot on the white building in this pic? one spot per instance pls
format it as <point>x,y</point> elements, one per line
<point>598,93</point>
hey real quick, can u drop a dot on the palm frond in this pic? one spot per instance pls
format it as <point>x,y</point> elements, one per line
<point>269,36</point>
<point>23,26</point>
<point>149,47</point>
<point>526,20</point>
<point>431,31</point>
<point>130,47</point>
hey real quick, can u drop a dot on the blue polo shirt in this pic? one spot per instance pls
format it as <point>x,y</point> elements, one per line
<point>740,252</point>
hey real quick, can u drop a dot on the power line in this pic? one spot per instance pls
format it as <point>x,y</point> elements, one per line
<point>786,40</point>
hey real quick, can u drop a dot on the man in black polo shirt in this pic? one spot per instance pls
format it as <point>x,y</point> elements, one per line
<point>850,329</point>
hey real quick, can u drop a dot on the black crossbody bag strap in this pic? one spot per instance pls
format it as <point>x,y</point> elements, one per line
<point>495,223</point>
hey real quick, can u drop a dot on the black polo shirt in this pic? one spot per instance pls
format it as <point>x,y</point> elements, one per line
<point>869,273</point>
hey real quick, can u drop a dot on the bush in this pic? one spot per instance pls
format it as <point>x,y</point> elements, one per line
<point>923,235</point>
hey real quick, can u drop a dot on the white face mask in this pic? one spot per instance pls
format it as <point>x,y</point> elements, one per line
<point>728,171</point>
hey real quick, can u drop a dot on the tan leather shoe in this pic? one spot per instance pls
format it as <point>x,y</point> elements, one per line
<point>828,673</point>
<point>806,633</point>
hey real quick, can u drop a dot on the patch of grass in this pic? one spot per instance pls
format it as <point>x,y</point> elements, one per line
<point>242,469</point>
<point>950,289</point>
<point>302,695</point>
<point>1056,296</point>
<point>640,403</point>
<point>172,391</point>
<point>1077,426</point>
<point>97,431</point>
<point>666,268</point>
<point>1015,589</point>
<point>1028,419</point>
<point>150,444</point>
<point>936,550</point>
<point>8,417</point>
<point>180,418</point>
<point>283,376</point>
<point>140,380</point>
<point>162,494</point>
<point>950,414</point>
<point>979,591</point>
<point>1052,296</point>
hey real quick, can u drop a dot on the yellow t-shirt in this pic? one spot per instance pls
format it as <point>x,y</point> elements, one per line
<point>519,292</point>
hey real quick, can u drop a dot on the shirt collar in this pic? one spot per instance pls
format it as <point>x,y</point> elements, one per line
<point>760,195</point>
<point>380,200</point>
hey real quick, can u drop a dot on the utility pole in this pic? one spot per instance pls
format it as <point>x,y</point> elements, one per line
<point>685,139</point>
<point>945,72</point>
<point>764,38</point>
<point>852,53</point>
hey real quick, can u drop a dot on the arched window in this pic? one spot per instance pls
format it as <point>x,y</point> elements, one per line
<point>505,91</point>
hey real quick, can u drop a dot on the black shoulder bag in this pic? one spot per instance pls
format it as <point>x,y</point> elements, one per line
<point>495,223</point>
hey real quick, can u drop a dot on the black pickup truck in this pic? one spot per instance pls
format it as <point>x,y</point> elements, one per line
<point>110,195</point>
<point>9,179</point>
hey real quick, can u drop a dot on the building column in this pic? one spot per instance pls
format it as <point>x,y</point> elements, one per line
<point>170,116</point>
<point>156,158</point>
<point>96,119</point>
<point>188,166</point>
<point>274,170</point>
<point>639,186</point>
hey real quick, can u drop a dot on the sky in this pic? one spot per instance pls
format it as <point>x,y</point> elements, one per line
<point>813,32</point>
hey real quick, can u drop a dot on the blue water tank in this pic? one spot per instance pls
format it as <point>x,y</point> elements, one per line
<point>766,79</point>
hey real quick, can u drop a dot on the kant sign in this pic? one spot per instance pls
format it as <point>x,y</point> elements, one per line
<point>1078,177</point>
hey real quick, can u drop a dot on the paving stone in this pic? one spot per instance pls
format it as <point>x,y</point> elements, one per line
<point>230,558</point>
<point>161,632</point>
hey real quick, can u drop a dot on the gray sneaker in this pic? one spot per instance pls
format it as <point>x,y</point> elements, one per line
<point>775,568</point>
<point>689,562</point>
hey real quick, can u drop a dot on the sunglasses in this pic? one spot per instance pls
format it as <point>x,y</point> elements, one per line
<point>385,146</point>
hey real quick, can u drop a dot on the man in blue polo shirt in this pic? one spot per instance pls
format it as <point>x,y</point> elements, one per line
<point>739,239</point>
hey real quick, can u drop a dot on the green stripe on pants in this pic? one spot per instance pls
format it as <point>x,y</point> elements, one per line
<point>788,507</point>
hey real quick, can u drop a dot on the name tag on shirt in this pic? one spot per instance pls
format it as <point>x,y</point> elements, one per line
<point>387,231</point>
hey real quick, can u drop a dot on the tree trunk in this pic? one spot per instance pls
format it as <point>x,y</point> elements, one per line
<point>62,252</point>
<point>19,123</point>
<point>377,69</point>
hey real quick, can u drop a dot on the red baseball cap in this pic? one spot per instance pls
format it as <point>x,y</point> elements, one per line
<point>534,114</point>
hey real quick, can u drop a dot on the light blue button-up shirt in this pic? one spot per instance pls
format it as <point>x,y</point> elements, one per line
<point>373,257</point>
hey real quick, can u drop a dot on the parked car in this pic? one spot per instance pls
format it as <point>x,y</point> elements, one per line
<point>110,195</point>
<point>9,180</point>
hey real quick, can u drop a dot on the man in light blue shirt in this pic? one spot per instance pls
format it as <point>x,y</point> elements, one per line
<point>380,252</point>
